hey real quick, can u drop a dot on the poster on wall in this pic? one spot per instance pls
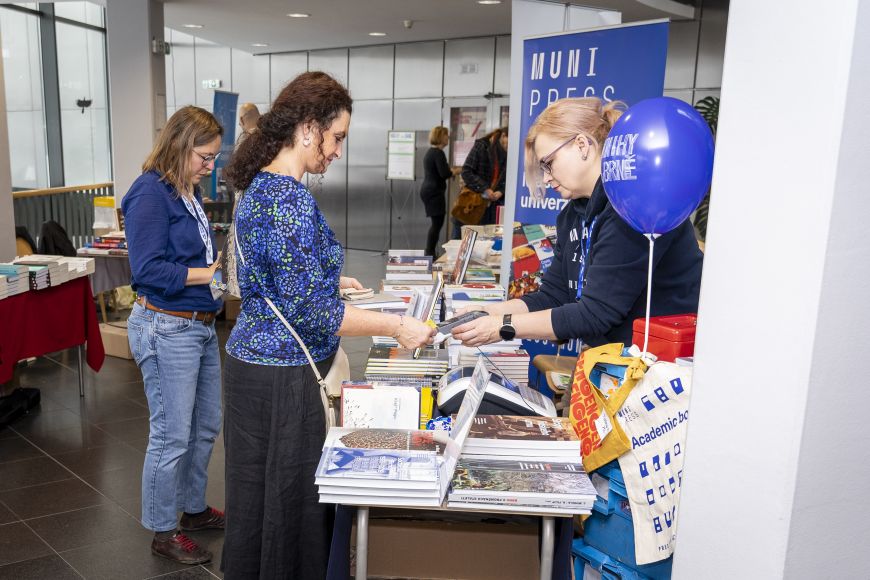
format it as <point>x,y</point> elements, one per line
<point>224,107</point>
<point>624,62</point>
<point>401,154</point>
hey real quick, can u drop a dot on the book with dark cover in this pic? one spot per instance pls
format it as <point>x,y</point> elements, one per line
<point>515,431</point>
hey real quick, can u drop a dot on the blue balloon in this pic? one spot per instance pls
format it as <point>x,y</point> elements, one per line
<point>657,163</point>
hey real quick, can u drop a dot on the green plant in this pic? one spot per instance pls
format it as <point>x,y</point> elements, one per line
<point>708,107</point>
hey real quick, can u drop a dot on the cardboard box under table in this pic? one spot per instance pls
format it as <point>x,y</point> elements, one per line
<point>115,340</point>
<point>408,544</point>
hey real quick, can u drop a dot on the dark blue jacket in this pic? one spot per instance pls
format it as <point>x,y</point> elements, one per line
<point>614,293</point>
<point>163,241</point>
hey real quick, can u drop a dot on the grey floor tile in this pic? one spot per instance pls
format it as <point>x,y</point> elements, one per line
<point>48,567</point>
<point>29,472</point>
<point>16,449</point>
<point>118,485</point>
<point>38,422</point>
<point>7,433</point>
<point>18,543</point>
<point>128,429</point>
<point>197,573</point>
<point>6,515</point>
<point>51,498</point>
<point>131,558</point>
<point>213,541</point>
<point>117,410</point>
<point>88,526</point>
<point>109,458</point>
<point>82,436</point>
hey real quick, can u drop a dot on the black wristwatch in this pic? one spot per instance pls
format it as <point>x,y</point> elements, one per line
<point>507,331</point>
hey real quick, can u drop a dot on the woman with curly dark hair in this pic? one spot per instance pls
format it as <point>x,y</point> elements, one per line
<point>288,257</point>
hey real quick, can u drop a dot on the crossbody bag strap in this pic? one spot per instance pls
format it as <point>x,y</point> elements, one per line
<point>287,324</point>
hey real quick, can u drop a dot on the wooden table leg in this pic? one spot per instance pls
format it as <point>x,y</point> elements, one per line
<point>102,301</point>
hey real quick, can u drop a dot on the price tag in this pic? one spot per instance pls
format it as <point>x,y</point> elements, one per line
<point>603,426</point>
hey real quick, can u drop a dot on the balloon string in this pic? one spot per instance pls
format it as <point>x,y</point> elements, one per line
<point>652,242</point>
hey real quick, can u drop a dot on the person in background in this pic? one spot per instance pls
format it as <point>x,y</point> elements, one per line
<point>275,422</point>
<point>433,192</point>
<point>595,286</point>
<point>484,172</point>
<point>171,330</point>
<point>249,114</point>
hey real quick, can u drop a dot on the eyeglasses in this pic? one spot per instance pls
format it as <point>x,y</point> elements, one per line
<point>206,159</point>
<point>546,162</point>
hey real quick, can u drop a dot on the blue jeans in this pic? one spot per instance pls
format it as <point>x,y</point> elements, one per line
<point>180,365</point>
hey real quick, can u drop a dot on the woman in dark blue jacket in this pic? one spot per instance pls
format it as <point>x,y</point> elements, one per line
<point>171,330</point>
<point>596,284</point>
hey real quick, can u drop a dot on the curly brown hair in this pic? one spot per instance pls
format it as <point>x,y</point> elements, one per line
<point>312,97</point>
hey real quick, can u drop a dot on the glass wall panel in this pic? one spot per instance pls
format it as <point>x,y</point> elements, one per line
<point>85,12</point>
<point>81,64</point>
<point>24,103</point>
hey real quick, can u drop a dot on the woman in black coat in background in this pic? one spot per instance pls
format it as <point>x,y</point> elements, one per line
<point>436,172</point>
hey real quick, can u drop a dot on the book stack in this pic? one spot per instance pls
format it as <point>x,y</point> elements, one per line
<point>4,289</point>
<point>17,278</point>
<point>113,244</point>
<point>522,438</point>
<point>389,363</point>
<point>393,405</point>
<point>383,302</point>
<point>396,467</point>
<point>510,363</point>
<point>463,295</point>
<point>78,266</point>
<point>381,466</point>
<point>58,272</point>
<point>39,279</point>
<point>408,265</point>
<point>521,486</point>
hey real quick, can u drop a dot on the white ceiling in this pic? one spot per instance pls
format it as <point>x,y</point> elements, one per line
<point>342,23</point>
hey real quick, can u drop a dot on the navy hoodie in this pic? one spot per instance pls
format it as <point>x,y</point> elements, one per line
<point>614,292</point>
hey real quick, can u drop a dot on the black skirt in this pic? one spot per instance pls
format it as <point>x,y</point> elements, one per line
<point>273,434</point>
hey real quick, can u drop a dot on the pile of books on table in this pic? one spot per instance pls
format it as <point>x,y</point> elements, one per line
<point>79,267</point>
<point>526,464</point>
<point>512,363</point>
<point>113,244</point>
<point>393,466</point>
<point>44,270</point>
<point>387,363</point>
<point>16,279</point>
<point>408,265</point>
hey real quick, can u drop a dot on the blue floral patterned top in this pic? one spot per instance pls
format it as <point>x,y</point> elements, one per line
<point>291,256</point>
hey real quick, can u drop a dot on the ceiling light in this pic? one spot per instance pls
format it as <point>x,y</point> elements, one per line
<point>259,44</point>
<point>488,2</point>
<point>298,15</point>
<point>192,25</point>
<point>377,33</point>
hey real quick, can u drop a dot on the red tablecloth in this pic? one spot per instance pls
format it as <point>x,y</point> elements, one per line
<point>39,322</point>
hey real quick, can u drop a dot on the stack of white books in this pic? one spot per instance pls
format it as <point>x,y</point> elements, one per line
<point>57,274</point>
<point>17,278</point>
<point>78,266</point>
<point>39,279</point>
<point>4,290</point>
<point>383,302</point>
<point>391,467</point>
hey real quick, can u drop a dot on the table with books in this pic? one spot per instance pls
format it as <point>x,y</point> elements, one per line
<point>492,460</point>
<point>47,303</point>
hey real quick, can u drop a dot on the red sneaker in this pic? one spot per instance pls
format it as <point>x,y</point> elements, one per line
<point>179,548</point>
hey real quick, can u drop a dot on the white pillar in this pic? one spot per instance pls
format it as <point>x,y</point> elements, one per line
<point>530,18</point>
<point>777,470</point>
<point>137,85</point>
<point>7,217</point>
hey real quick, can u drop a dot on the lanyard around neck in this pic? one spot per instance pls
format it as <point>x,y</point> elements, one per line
<point>585,246</point>
<point>198,214</point>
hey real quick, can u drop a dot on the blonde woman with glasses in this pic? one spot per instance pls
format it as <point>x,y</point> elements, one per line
<point>595,286</point>
<point>171,330</point>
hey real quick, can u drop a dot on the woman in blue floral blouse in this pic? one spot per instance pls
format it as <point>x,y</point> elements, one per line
<point>274,421</point>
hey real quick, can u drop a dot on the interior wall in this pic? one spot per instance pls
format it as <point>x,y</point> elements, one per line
<point>404,87</point>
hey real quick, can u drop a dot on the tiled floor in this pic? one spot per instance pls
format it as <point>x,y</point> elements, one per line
<point>70,471</point>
